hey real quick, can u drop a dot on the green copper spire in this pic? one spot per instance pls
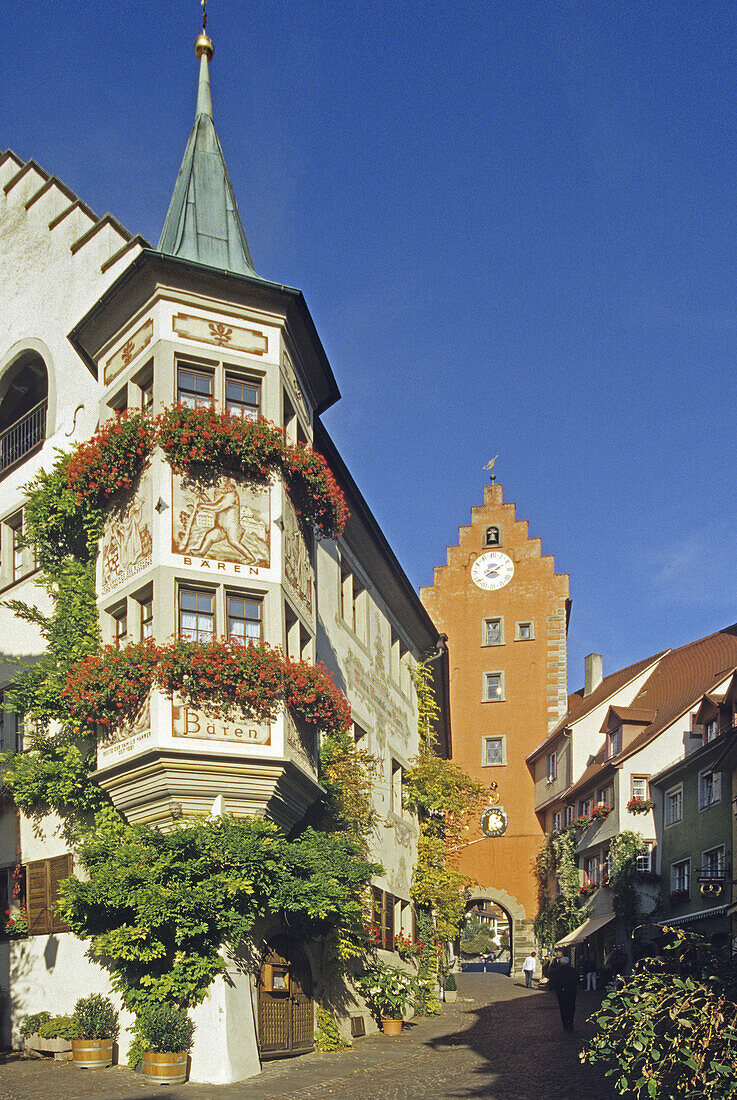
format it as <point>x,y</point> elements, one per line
<point>203,223</point>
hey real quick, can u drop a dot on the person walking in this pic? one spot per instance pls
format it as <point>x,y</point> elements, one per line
<point>564,981</point>
<point>528,969</point>
<point>590,972</point>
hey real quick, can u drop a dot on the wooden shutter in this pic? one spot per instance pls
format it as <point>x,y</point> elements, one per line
<point>59,868</point>
<point>37,898</point>
<point>42,889</point>
<point>388,923</point>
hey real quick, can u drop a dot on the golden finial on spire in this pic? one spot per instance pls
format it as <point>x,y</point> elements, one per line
<point>490,466</point>
<point>203,42</point>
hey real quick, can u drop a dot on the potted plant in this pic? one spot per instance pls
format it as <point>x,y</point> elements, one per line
<point>600,812</point>
<point>640,805</point>
<point>97,1029</point>
<point>391,992</point>
<point>451,989</point>
<point>166,1034</point>
<point>47,1034</point>
<point>677,896</point>
<point>581,822</point>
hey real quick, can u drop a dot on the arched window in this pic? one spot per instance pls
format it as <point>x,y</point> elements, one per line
<point>492,537</point>
<point>23,402</point>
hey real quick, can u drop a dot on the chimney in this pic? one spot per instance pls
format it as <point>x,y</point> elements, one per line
<point>594,664</point>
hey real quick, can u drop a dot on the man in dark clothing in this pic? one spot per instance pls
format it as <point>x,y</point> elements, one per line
<point>564,981</point>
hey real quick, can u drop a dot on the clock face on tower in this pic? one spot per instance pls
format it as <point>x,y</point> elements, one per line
<point>492,570</point>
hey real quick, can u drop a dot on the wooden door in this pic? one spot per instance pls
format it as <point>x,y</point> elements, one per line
<point>286,1020</point>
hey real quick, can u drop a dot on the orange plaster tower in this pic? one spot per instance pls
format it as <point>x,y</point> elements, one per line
<point>505,612</point>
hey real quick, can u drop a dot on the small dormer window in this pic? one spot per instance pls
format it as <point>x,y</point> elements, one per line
<point>492,537</point>
<point>614,742</point>
<point>711,730</point>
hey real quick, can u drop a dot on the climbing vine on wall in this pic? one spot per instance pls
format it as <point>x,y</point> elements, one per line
<point>444,798</point>
<point>559,914</point>
<point>623,853</point>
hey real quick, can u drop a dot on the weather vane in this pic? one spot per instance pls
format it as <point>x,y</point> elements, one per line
<point>204,14</point>
<point>489,465</point>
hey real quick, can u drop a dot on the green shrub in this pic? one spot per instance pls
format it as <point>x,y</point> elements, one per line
<point>670,1028</point>
<point>96,1018</point>
<point>59,1027</point>
<point>327,1036</point>
<point>165,1029</point>
<point>450,983</point>
<point>32,1023</point>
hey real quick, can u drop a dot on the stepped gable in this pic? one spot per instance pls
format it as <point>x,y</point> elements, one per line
<point>28,192</point>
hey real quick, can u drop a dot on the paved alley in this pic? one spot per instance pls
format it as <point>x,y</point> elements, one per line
<point>499,1042</point>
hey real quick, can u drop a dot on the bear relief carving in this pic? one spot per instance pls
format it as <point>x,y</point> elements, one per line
<point>226,521</point>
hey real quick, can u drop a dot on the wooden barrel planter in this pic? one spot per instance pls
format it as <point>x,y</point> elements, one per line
<point>165,1069</point>
<point>92,1053</point>
<point>391,1027</point>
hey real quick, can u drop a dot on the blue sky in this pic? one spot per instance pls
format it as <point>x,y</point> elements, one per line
<point>515,225</point>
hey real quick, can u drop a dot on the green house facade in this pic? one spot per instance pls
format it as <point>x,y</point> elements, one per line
<point>693,815</point>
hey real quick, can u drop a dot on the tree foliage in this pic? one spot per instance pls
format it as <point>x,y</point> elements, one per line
<point>158,907</point>
<point>477,938</point>
<point>347,773</point>
<point>670,1028</point>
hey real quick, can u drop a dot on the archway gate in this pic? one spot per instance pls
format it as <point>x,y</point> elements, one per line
<point>522,930</point>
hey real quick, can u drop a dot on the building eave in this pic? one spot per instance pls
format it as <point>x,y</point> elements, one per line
<point>151,269</point>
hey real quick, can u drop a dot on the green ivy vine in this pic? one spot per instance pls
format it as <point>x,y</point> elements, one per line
<point>558,915</point>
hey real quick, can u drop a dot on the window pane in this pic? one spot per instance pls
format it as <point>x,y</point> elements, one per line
<point>244,618</point>
<point>241,397</point>
<point>493,750</point>
<point>493,631</point>
<point>196,617</point>
<point>194,388</point>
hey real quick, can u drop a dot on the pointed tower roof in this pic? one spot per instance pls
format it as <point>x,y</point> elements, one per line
<point>203,223</point>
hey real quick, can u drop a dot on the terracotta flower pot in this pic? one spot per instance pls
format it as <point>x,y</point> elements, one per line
<point>165,1069</point>
<point>92,1053</point>
<point>391,1027</point>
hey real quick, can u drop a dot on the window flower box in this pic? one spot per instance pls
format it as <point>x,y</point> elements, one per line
<point>587,890</point>
<point>601,812</point>
<point>677,896</point>
<point>640,805</point>
<point>582,823</point>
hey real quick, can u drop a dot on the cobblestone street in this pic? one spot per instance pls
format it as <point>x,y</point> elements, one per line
<point>500,1041</point>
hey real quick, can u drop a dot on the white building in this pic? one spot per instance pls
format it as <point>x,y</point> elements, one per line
<point>596,764</point>
<point>94,320</point>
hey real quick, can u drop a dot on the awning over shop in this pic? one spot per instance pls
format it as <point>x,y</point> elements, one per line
<point>703,914</point>
<point>578,935</point>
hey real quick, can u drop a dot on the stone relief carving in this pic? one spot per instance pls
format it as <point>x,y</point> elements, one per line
<point>298,575</point>
<point>226,521</point>
<point>126,540</point>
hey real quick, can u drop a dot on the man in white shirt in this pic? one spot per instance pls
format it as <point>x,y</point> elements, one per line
<point>528,968</point>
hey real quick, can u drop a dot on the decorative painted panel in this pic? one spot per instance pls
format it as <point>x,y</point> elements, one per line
<point>126,539</point>
<point>124,356</point>
<point>128,738</point>
<point>298,573</point>
<point>221,334</point>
